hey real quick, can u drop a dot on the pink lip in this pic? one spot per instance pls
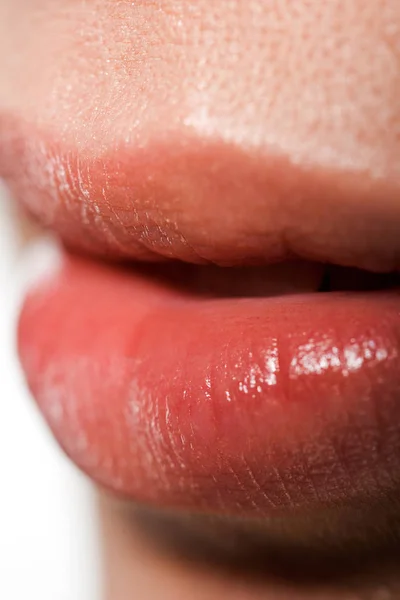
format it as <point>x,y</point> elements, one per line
<point>200,200</point>
<point>250,406</point>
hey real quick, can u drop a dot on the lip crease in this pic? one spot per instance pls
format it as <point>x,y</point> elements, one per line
<point>250,406</point>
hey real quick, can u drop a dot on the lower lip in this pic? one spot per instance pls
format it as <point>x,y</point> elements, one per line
<point>249,406</point>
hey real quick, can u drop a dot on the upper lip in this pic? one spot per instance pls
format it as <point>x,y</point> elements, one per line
<point>203,202</point>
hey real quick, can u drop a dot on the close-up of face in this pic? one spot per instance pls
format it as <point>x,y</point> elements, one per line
<point>218,344</point>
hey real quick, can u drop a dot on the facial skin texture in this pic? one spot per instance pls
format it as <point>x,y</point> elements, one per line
<point>218,131</point>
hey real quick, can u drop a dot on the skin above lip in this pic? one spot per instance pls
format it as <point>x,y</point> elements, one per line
<point>253,406</point>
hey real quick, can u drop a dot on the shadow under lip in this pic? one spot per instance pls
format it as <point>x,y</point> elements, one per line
<point>339,551</point>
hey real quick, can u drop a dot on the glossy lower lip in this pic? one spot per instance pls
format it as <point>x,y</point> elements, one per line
<point>249,406</point>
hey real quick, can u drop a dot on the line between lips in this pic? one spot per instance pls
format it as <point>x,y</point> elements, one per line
<point>243,406</point>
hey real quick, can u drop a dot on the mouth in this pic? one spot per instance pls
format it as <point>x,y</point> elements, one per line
<point>224,363</point>
<point>249,389</point>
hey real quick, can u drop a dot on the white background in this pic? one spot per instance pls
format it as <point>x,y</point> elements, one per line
<point>48,535</point>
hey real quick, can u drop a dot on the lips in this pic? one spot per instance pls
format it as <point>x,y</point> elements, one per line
<point>242,390</point>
